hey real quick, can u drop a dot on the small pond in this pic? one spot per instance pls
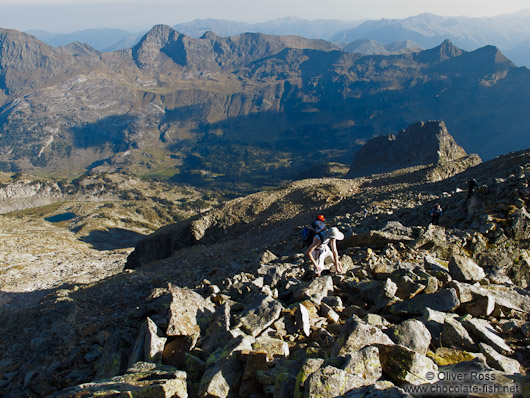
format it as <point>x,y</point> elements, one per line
<point>60,217</point>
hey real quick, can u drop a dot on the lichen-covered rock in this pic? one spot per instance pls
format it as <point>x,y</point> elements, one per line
<point>455,335</point>
<point>365,364</point>
<point>486,377</point>
<point>141,380</point>
<point>224,369</point>
<point>357,335</point>
<point>381,389</point>
<point>329,382</point>
<point>154,343</point>
<point>310,366</point>
<point>113,360</point>
<point>434,321</point>
<point>482,306</point>
<point>260,313</point>
<point>218,329</point>
<point>409,284</point>
<point>273,347</point>
<point>403,365</point>
<point>521,224</point>
<point>272,273</point>
<point>189,312</point>
<point>411,333</point>
<point>284,386</point>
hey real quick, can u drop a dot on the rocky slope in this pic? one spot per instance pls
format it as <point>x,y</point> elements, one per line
<point>57,233</point>
<point>252,109</point>
<point>229,307</point>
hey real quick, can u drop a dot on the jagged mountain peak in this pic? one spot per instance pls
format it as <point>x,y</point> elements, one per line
<point>148,52</point>
<point>209,35</point>
<point>443,52</point>
<point>159,34</point>
<point>422,143</point>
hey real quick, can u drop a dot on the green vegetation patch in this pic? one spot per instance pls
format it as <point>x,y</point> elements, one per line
<point>449,357</point>
<point>41,211</point>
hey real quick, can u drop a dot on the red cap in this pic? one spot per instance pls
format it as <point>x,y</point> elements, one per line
<point>321,217</point>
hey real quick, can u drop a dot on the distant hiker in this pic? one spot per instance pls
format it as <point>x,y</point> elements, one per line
<point>319,250</point>
<point>365,212</point>
<point>309,232</point>
<point>436,212</point>
<point>471,187</point>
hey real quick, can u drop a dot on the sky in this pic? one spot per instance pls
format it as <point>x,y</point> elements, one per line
<point>66,16</point>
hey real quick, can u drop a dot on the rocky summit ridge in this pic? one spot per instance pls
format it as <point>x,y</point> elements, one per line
<point>224,304</point>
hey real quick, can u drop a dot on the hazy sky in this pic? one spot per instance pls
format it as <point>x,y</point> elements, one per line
<point>63,16</point>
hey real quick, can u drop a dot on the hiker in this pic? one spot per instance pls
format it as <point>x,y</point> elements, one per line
<point>471,187</point>
<point>436,212</point>
<point>319,250</point>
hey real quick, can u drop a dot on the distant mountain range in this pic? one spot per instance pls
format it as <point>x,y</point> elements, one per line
<point>244,111</point>
<point>510,33</point>
<point>100,39</point>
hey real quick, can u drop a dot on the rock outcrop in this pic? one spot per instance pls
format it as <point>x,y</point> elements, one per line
<point>422,143</point>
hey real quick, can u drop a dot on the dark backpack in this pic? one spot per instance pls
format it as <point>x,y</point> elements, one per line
<point>308,234</point>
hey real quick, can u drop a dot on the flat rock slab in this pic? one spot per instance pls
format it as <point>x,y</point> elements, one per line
<point>464,269</point>
<point>260,313</point>
<point>445,300</point>
<point>143,379</point>
<point>498,361</point>
<point>482,330</point>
